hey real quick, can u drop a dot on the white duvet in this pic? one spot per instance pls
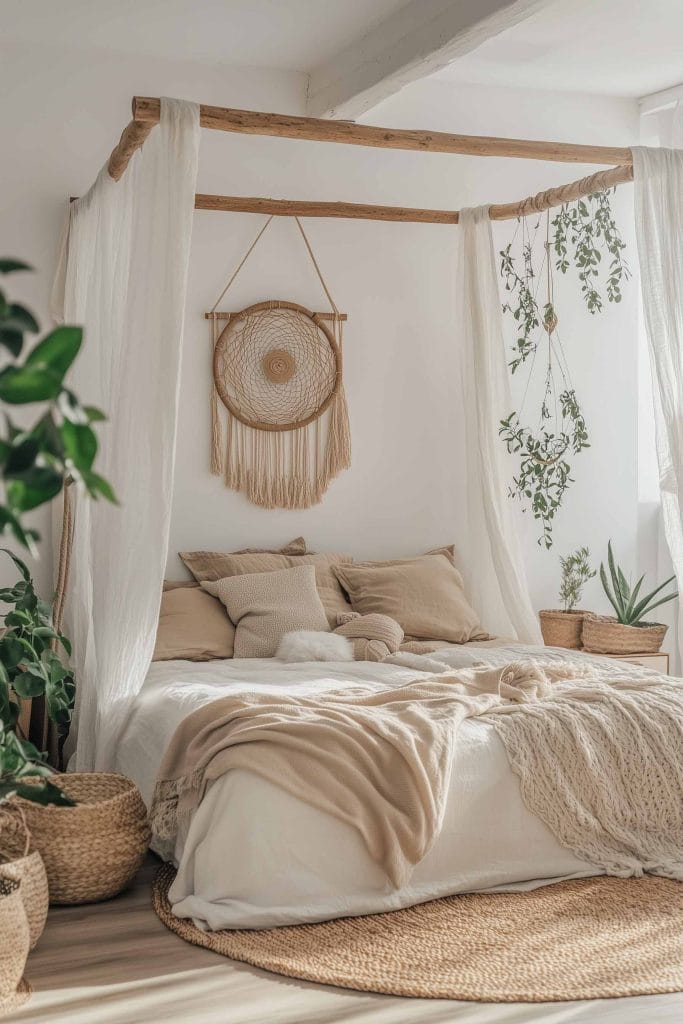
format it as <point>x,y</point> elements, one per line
<point>255,856</point>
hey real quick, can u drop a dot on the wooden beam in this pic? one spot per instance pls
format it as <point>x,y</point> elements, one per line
<point>133,137</point>
<point>321,316</point>
<point>415,41</point>
<point>287,126</point>
<point>356,211</point>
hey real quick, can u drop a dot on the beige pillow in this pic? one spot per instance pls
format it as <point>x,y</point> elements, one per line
<point>330,590</point>
<point>192,626</point>
<point>210,565</point>
<point>177,584</point>
<point>266,605</point>
<point>227,564</point>
<point>425,595</point>
<point>448,550</point>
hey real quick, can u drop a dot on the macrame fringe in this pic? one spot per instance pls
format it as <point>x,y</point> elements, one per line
<point>216,436</point>
<point>338,453</point>
<point>286,470</point>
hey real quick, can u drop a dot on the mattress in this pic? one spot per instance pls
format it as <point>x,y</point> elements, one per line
<point>255,856</point>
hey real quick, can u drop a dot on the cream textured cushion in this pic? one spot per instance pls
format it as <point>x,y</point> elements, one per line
<point>211,565</point>
<point>424,595</point>
<point>192,626</point>
<point>214,565</point>
<point>266,605</point>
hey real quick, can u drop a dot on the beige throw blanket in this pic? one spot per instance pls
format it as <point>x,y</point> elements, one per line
<point>600,762</point>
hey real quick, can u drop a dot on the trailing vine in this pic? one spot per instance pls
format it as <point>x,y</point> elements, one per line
<point>589,227</point>
<point>582,232</point>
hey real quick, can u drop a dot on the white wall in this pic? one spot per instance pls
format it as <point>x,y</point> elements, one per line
<point>406,489</point>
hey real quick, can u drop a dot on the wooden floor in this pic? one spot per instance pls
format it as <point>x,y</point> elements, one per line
<point>116,963</point>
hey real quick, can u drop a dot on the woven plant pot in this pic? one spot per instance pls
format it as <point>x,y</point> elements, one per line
<point>21,864</point>
<point>602,634</point>
<point>560,628</point>
<point>14,942</point>
<point>91,851</point>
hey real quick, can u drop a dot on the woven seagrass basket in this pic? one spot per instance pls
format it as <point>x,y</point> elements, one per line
<point>14,942</point>
<point>602,634</point>
<point>561,629</point>
<point>19,863</point>
<point>91,851</point>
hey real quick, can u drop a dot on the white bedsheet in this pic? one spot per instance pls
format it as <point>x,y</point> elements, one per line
<point>255,856</point>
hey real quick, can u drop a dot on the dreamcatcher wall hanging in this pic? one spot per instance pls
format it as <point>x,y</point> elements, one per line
<point>277,374</point>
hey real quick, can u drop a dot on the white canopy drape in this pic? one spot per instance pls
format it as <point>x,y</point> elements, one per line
<point>124,272</point>
<point>497,582</point>
<point>658,177</point>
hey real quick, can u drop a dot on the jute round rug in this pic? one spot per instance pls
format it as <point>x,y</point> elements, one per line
<point>589,938</point>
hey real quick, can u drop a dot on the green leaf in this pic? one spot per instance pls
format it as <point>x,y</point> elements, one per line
<point>634,596</point>
<point>56,352</point>
<point>651,607</point>
<point>21,456</point>
<point>641,608</point>
<point>97,485</point>
<point>21,566</point>
<point>20,385</point>
<point>94,415</point>
<point>605,586</point>
<point>43,793</point>
<point>8,266</point>
<point>11,651</point>
<point>27,684</point>
<point>21,319</point>
<point>80,444</point>
<point>624,588</point>
<point>35,487</point>
<point>615,582</point>
<point>12,340</point>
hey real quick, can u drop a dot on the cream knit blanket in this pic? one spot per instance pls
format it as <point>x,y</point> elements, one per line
<point>599,756</point>
<point>601,764</point>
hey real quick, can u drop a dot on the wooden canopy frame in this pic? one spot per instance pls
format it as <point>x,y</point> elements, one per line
<point>146,114</point>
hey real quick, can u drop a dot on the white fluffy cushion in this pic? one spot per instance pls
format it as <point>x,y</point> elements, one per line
<point>305,645</point>
<point>266,605</point>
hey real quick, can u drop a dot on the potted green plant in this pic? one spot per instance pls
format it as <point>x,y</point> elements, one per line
<point>562,627</point>
<point>35,463</point>
<point>628,633</point>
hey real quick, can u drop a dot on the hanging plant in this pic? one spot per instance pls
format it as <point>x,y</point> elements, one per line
<point>544,469</point>
<point>582,232</point>
<point>588,226</point>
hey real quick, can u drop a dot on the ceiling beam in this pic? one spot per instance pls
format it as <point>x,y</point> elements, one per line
<point>410,44</point>
<point>146,111</point>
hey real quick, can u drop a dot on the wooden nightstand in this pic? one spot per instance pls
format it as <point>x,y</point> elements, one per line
<point>657,662</point>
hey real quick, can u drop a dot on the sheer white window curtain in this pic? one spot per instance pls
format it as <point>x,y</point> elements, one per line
<point>658,177</point>
<point>124,275</point>
<point>496,578</point>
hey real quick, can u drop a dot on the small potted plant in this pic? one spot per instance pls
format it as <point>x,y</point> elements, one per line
<point>562,627</point>
<point>628,633</point>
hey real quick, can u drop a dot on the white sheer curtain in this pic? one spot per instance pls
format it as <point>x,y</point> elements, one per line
<point>658,177</point>
<point>124,274</point>
<point>496,580</point>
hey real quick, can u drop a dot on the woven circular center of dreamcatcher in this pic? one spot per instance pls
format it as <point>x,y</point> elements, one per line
<point>279,366</point>
<point>276,366</point>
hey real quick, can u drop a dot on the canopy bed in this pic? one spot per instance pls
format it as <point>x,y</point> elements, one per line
<point>124,274</point>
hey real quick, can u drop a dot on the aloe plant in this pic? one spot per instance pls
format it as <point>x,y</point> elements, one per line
<point>629,610</point>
